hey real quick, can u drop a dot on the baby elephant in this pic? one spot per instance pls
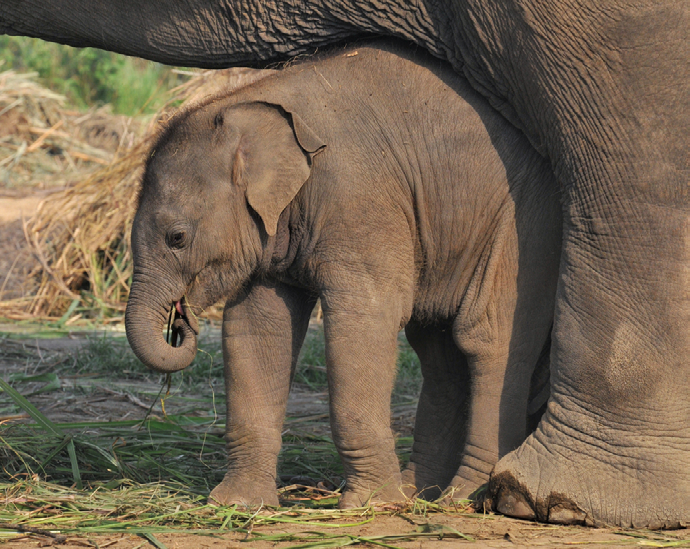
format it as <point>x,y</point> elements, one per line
<point>378,181</point>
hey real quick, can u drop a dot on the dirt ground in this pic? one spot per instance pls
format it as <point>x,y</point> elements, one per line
<point>116,400</point>
<point>491,531</point>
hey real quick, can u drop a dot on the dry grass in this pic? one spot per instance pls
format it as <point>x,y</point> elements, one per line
<point>44,145</point>
<point>80,235</point>
<point>81,240</point>
<point>53,511</point>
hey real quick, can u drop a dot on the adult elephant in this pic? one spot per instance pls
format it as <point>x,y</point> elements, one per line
<point>601,89</point>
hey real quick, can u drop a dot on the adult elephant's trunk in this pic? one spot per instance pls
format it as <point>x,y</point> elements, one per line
<point>145,320</point>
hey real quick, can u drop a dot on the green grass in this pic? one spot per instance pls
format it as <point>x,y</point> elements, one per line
<point>148,510</point>
<point>311,365</point>
<point>409,379</point>
<point>89,76</point>
<point>109,355</point>
<point>105,354</point>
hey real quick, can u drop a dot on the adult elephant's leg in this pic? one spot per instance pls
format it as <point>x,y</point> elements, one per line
<point>602,91</point>
<point>440,424</point>
<point>614,443</point>
<point>263,331</point>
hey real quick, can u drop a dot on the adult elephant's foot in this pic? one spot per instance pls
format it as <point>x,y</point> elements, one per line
<point>244,491</point>
<point>361,493</point>
<point>564,476</point>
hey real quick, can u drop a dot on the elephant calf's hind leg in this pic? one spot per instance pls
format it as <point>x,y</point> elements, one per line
<point>439,430</point>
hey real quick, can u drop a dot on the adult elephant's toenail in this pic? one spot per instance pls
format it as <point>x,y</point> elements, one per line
<point>565,515</point>
<point>514,505</point>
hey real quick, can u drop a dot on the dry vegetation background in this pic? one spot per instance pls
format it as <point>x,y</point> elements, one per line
<point>88,165</point>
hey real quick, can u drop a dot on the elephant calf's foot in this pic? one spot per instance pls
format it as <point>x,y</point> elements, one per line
<point>574,483</point>
<point>409,486</point>
<point>362,494</point>
<point>469,479</point>
<point>423,483</point>
<point>246,492</point>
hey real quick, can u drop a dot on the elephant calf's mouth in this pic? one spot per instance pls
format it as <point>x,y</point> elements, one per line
<point>181,319</point>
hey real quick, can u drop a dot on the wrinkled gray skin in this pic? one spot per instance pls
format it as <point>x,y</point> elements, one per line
<point>600,89</point>
<point>380,182</point>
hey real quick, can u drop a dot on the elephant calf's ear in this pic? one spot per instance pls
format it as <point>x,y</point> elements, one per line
<point>278,163</point>
<point>308,140</point>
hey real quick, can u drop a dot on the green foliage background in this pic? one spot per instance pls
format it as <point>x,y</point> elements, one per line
<point>89,76</point>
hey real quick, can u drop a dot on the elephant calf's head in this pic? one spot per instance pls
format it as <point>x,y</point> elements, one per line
<point>218,176</point>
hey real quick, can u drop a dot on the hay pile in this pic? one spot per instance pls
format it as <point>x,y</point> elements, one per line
<point>45,146</point>
<point>80,236</point>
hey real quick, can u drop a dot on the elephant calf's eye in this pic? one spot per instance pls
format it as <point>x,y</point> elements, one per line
<point>177,239</point>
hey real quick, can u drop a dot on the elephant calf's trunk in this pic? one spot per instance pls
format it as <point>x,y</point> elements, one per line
<point>145,336</point>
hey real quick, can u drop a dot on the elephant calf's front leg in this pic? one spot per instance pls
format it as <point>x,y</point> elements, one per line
<point>361,351</point>
<point>263,331</point>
